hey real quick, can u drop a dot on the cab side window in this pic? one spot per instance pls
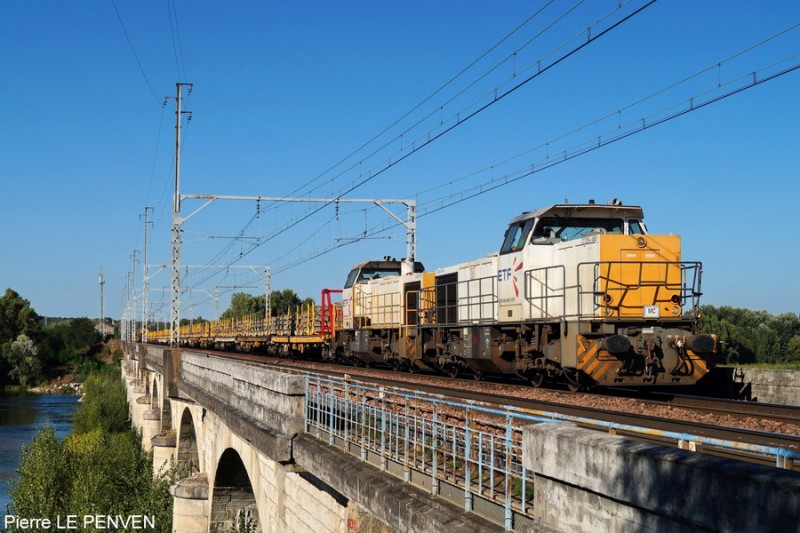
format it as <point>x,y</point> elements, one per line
<point>634,227</point>
<point>516,236</point>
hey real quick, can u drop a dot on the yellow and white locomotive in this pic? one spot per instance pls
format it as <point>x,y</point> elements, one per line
<point>579,292</point>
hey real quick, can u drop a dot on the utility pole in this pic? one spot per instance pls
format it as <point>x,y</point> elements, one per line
<point>145,278</point>
<point>132,316</point>
<point>267,294</point>
<point>126,309</point>
<point>102,281</point>
<point>175,272</point>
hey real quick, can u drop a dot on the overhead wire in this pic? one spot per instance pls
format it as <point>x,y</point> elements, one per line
<point>497,97</point>
<point>461,92</point>
<point>427,98</point>
<point>133,51</point>
<point>740,84</point>
<point>718,93</point>
<point>622,130</point>
<point>509,178</point>
<point>177,49</point>
<point>590,38</point>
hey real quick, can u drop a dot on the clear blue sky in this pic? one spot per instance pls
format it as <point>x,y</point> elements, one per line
<point>284,90</point>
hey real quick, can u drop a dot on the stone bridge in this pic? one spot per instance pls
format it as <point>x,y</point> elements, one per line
<point>239,433</point>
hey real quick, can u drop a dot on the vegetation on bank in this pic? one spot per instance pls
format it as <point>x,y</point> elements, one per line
<point>31,352</point>
<point>754,337</point>
<point>99,469</point>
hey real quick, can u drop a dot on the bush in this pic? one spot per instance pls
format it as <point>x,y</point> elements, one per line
<point>104,405</point>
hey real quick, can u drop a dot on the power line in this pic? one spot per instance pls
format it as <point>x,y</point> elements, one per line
<point>136,57</point>
<point>427,98</point>
<point>532,169</point>
<point>177,49</point>
<point>740,84</point>
<point>620,130</point>
<point>719,92</point>
<point>588,36</point>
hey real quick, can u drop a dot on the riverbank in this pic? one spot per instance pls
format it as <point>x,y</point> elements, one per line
<point>60,385</point>
<point>63,385</point>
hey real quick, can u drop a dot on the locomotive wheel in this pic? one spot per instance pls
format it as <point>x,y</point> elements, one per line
<point>537,378</point>
<point>573,381</point>
<point>396,366</point>
<point>477,375</point>
<point>453,371</point>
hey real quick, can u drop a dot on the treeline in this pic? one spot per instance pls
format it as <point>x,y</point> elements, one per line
<point>753,336</point>
<point>31,351</point>
<point>243,304</point>
<point>99,469</point>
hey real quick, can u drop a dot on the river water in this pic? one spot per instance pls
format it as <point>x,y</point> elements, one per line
<point>20,415</point>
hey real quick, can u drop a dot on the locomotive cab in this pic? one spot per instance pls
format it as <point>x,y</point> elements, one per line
<point>611,295</point>
<point>372,310</point>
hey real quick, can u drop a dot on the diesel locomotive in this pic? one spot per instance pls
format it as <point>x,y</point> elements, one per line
<point>579,293</point>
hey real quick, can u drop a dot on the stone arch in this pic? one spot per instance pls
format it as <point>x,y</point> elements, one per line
<point>188,454</point>
<point>233,503</point>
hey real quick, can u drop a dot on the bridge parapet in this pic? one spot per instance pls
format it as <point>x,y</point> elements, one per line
<point>262,406</point>
<point>590,481</point>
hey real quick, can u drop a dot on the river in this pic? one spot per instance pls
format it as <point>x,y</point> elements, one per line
<point>20,415</point>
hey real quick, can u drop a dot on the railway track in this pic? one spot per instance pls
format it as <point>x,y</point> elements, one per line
<point>778,412</point>
<point>509,395</point>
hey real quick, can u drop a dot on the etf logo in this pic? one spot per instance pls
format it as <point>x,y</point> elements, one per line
<point>510,273</point>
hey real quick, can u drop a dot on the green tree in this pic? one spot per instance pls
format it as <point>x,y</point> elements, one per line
<point>748,336</point>
<point>188,321</point>
<point>243,304</point>
<point>23,358</point>
<point>74,338</point>
<point>16,316</point>
<point>282,301</point>
<point>793,350</point>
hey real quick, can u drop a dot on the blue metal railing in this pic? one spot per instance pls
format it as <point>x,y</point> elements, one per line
<point>473,447</point>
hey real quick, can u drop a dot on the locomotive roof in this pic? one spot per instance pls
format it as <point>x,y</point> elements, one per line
<point>584,210</point>
<point>388,263</point>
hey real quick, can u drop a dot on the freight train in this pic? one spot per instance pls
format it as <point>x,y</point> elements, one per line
<point>579,293</point>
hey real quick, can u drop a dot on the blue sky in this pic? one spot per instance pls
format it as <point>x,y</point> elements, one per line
<point>285,90</point>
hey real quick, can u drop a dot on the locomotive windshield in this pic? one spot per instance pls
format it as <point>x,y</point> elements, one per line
<point>552,229</point>
<point>359,275</point>
<point>516,236</point>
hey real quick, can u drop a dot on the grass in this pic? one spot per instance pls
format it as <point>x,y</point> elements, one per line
<point>764,366</point>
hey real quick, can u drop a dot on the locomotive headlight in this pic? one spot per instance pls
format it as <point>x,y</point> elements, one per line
<point>607,299</point>
<point>676,310</point>
<point>676,299</point>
